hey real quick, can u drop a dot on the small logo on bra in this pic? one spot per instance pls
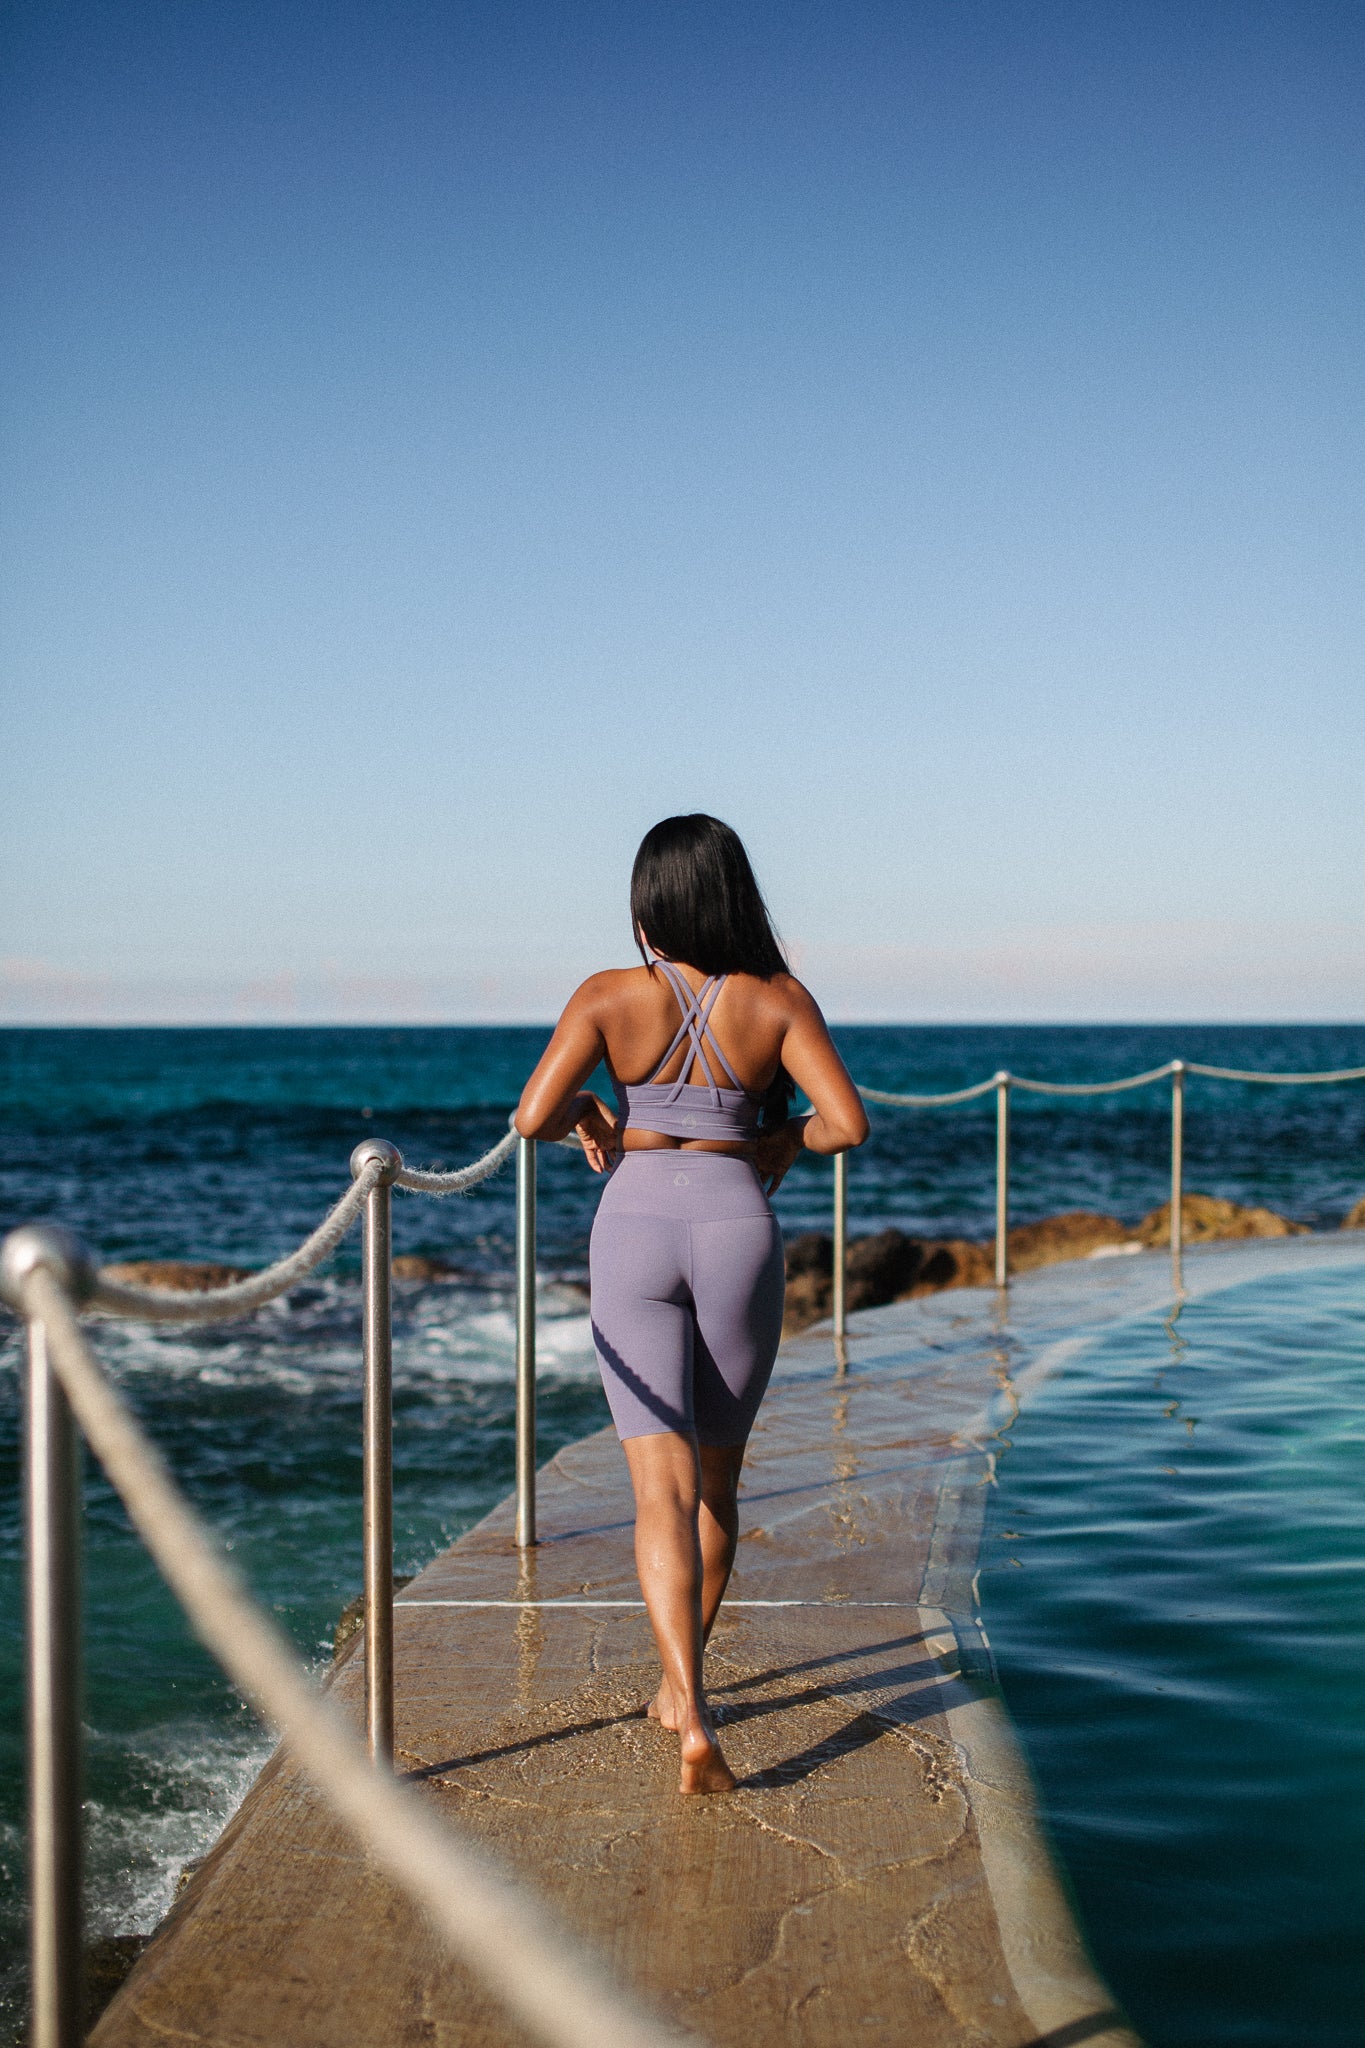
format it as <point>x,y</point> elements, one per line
<point>691,1122</point>
<point>680,1180</point>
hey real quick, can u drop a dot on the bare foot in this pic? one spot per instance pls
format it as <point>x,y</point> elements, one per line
<point>661,1708</point>
<point>704,1769</point>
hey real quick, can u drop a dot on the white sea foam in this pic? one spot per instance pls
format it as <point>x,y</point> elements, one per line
<point>445,1332</point>
<point>186,1780</point>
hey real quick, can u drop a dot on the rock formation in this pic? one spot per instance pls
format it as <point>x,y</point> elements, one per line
<point>416,1266</point>
<point>1075,1235</point>
<point>1205,1217</point>
<point>888,1267</point>
<point>1356,1219</point>
<point>192,1276</point>
<point>892,1266</point>
<point>180,1276</point>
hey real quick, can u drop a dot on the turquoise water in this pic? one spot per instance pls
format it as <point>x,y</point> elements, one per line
<point>1175,1592</point>
<point>231,1143</point>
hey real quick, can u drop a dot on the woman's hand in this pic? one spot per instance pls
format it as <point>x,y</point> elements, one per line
<point>599,1132</point>
<point>777,1150</point>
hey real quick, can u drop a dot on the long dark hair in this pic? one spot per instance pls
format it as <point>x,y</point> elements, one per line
<point>694,897</point>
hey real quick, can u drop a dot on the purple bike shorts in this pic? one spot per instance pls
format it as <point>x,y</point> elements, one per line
<point>687,1289</point>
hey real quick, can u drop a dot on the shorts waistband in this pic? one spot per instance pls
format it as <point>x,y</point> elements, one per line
<point>668,1155</point>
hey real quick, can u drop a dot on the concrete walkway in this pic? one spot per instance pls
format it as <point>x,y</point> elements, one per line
<point>879,1876</point>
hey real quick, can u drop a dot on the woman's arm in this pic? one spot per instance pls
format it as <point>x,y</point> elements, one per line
<point>837,1121</point>
<point>553,1102</point>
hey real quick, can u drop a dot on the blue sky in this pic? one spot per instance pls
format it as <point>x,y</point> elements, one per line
<point>440,440</point>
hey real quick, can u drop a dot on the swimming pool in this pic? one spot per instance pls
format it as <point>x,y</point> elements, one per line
<point>1174,1586</point>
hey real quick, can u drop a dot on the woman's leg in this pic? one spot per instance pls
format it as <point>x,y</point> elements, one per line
<point>666,1472</point>
<point>718,1524</point>
<point>718,1534</point>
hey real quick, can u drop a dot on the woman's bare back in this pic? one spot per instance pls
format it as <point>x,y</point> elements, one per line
<point>639,1018</point>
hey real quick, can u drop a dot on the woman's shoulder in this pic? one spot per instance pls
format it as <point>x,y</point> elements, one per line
<point>610,985</point>
<point>779,993</point>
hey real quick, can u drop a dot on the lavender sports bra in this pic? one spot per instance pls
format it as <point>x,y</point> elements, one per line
<point>681,1108</point>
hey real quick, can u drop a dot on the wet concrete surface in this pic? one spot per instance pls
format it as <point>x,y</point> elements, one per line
<point>879,1876</point>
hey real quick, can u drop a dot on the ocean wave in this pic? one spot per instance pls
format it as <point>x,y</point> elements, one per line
<point>441,1332</point>
<point>179,1785</point>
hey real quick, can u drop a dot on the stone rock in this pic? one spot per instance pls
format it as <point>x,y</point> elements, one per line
<point>351,1619</point>
<point>179,1276</point>
<point>812,1252</point>
<point>892,1266</point>
<point>1206,1217</point>
<point>188,1872</point>
<point>108,1961</point>
<point>881,1268</point>
<point>952,1262</point>
<point>889,1266</point>
<point>1356,1219</point>
<point>810,1281</point>
<point>809,1298</point>
<point>417,1266</point>
<point>1074,1235</point>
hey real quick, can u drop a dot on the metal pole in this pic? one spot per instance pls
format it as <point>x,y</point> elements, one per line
<point>1002,1179</point>
<point>54,1705</point>
<point>840,1246</point>
<point>526,1343</point>
<point>377,1270</point>
<point>1177,1172</point>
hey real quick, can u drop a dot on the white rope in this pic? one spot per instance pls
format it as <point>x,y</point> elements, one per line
<point>926,1101</point>
<point>423,1181</point>
<point>548,1982</point>
<point>1094,1087</point>
<point>216,1304</point>
<point>1277,1080</point>
<point>1143,1080</point>
<point>163,1305</point>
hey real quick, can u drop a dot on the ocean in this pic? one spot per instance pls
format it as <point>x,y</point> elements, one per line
<point>230,1144</point>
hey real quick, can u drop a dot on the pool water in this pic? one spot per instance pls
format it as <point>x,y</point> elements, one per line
<point>1174,1587</point>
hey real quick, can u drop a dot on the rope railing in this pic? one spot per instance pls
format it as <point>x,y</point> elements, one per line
<point>376,1169</point>
<point>1274,1080</point>
<point>217,1304</point>
<point>421,1180</point>
<point>1002,1085</point>
<point>559,1992</point>
<point>926,1101</point>
<point>1095,1087</point>
<point>547,1981</point>
<point>1143,1080</point>
<point>241,1297</point>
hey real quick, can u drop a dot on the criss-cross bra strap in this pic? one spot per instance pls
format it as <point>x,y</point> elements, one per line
<point>695,1027</point>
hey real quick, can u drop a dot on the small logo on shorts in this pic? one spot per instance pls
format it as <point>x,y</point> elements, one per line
<point>680,1180</point>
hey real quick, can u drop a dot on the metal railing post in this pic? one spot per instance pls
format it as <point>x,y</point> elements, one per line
<point>1002,1179</point>
<point>840,1246</point>
<point>526,1343</point>
<point>1177,1172</point>
<point>52,1513</point>
<point>377,1277</point>
<point>54,1705</point>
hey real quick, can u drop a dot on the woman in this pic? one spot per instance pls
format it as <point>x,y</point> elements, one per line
<point>703,1044</point>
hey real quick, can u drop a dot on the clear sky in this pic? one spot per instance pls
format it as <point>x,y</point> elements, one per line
<point>440,439</point>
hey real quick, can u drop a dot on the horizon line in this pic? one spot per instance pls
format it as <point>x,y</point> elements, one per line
<point>547,1023</point>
